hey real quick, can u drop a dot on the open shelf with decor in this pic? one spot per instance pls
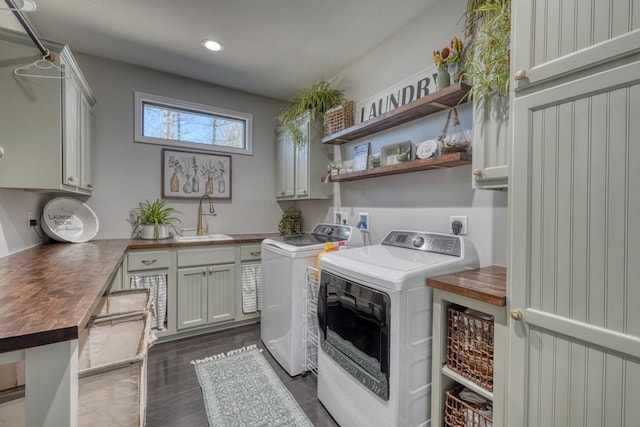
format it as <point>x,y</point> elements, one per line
<point>430,104</point>
<point>443,161</point>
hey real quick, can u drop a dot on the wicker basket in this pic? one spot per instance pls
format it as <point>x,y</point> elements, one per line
<point>470,346</point>
<point>460,413</point>
<point>338,118</point>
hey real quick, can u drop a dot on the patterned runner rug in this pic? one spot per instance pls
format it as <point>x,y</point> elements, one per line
<point>241,389</point>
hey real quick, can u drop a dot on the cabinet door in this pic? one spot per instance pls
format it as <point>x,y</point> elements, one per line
<point>192,297</point>
<point>574,200</point>
<point>302,163</point>
<point>86,139</point>
<point>71,133</point>
<point>553,38</point>
<point>221,283</point>
<point>285,166</point>
<point>491,145</point>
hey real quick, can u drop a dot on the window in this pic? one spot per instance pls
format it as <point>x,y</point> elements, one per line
<point>172,122</point>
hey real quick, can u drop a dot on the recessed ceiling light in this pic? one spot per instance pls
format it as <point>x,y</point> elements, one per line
<point>21,5</point>
<point>212,45</point>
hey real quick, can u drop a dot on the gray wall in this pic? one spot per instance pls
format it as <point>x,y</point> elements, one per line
<point>126,172</point>
<point>418,200</point>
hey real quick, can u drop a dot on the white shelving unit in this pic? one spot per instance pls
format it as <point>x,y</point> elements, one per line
<point>311,334</point>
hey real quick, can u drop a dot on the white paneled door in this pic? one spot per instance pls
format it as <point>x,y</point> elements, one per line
<point>575,253</point>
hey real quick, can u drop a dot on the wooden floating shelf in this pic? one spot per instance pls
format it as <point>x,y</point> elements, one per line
<point>430,104</point>
<point>444,161</point>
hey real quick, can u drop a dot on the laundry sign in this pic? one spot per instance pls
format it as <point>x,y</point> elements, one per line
<point>410,89</point>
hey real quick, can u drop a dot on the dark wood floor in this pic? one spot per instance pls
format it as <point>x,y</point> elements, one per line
<point>174,395</point>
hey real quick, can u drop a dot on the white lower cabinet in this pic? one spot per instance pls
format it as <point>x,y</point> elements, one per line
<point>205,286</point>
<point>153,269</point>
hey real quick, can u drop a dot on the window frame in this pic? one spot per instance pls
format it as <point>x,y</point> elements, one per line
<point>141,98</point>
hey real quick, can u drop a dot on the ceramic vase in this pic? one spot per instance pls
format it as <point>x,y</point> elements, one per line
<point>443,79</point>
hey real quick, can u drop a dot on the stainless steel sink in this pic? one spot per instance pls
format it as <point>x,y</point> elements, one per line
<point>205,238</point>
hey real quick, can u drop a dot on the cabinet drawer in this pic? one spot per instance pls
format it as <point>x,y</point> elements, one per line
<point>206,256</point>
<point>250,252</point>
<point>148,260</point>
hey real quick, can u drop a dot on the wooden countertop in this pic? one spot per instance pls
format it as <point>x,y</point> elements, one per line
<point>487,284</point>
<point>49,292</point>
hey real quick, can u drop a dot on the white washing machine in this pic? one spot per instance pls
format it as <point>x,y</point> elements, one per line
<point>374,315</point>
<point>284,262</point>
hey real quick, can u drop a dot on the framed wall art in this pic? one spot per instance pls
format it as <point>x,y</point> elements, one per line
<point>190,175</point>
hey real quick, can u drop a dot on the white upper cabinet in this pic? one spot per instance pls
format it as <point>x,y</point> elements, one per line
<point>555,38</point>
<point>45,123</point>
<point>301,167</point>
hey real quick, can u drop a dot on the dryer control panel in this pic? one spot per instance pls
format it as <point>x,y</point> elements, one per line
<point>428,242</point>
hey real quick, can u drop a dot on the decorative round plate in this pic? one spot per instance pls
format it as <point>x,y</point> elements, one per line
<point>427,149</point>
<point>69,220</point>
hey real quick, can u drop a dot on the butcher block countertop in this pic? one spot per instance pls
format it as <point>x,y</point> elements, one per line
<point>487,284</point>
<point>49,292</point>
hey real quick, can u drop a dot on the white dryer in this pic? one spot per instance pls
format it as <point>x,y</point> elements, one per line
<point>374,315</point>
<point>284,263</point>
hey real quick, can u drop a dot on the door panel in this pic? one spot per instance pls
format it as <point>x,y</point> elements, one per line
<point>192,297</point>
<point>575,253</point>
<point>554,37</point>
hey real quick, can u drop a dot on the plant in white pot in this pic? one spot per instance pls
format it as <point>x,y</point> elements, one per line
<point>154,219</point>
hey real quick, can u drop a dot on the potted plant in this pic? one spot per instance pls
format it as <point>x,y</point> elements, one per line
<point>316,100</point>
<point>154,219</point>
<point>488,25</point>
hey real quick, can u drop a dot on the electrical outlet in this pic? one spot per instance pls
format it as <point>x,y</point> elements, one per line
<point>31,222</point>
<point>463,224</point>
<point>363,221</point>
<point>341,218</point>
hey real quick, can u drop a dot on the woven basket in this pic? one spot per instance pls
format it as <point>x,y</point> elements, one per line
<point>459,413</point>
<point>470,346</point>
<point>338,118</point>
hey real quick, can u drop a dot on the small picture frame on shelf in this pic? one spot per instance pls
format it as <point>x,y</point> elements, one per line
<point>361,156</point>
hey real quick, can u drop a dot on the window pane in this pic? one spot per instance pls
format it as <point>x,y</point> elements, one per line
<point>191,126</point>
<point>167,121</point>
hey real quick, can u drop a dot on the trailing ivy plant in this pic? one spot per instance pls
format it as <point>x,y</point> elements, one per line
<point>317,100</point>
<point>488,24</point>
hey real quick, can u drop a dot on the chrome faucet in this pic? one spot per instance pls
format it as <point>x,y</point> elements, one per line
<point>212,212</point>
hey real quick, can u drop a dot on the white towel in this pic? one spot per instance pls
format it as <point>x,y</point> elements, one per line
<point>157,285</point>
<point>251,288</point>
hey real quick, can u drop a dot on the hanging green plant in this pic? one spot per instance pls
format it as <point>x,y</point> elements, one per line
<point>487,66</point>
<point>316,100</point>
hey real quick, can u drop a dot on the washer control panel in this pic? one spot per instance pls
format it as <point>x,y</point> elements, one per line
<point>428,242</point>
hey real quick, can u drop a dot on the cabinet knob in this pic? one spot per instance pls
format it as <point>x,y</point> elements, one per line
<point>210,270</point>
<point>204,271</point>
<point>477,172</point>
<point>516,314</point>
<point>520,74</point>
<point>1,152</point>
<point>70,179</point>
<point>282,193</point>
<point>90,185</point>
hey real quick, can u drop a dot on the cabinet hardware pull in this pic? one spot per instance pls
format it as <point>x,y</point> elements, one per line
<point>520,74</point>
<point>255,253</point>
<point>89,185</point>
<point>204,271</point>
<point>148,261</point>
<point>210,270</point>
<point>477,172</point>
<point>1,152</point>
<point>70,179</point>
<point>516,314</point>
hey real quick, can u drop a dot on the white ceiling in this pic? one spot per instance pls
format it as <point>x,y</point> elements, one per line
<point>271,47</point>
